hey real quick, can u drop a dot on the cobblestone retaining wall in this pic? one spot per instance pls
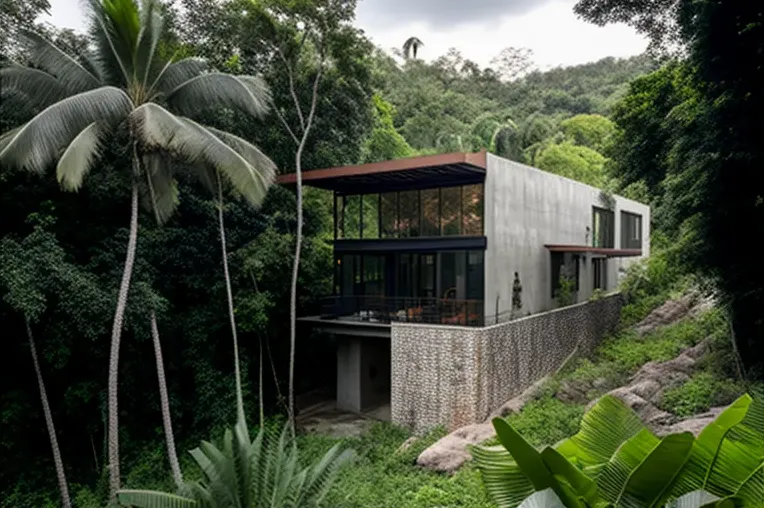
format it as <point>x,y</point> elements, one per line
<point>455,376</point>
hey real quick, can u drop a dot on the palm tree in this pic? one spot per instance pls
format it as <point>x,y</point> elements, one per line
<point>59,464</point>
<point>411,47</point>
<point>127,85</point>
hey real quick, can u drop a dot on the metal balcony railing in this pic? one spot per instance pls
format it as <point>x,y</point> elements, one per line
<point>386,309</point>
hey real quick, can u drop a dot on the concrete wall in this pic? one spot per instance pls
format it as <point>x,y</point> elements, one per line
<point>456,376</point>
<point>526,208</point>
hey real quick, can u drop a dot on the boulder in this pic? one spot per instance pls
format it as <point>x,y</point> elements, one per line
<point>516,404</point>
<point>668,313</point>
<point>696,424</point>
<point>451,452</point>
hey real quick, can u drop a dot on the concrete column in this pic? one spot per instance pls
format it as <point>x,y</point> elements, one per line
<point>349,374</point>
<point>363,373</point>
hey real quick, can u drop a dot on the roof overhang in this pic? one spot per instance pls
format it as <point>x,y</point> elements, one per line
<point>600,251</point>
<point>402,174</point>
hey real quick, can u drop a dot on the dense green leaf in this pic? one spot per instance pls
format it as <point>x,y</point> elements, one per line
<point>148,499</point>
<point>604,428</point>
<point>697,471</point>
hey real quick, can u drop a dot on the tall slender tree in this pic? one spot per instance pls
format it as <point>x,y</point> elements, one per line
<point>126,85</point>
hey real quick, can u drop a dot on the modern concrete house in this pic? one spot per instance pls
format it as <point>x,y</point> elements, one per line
<point>460,239</point>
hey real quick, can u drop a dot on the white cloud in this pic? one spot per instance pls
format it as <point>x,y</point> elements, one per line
<point>66,14</point>
<point>551,30</point>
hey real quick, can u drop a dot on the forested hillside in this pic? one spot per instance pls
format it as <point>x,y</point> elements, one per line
<point>678,136</point>
<point>556,120</point>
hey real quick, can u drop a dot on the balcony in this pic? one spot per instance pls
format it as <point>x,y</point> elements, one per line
<point>384,309</point>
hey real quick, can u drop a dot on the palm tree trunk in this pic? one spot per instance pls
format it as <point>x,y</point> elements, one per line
<point>260,383</point>
<point>62,486</point>
<point>229,293</point>
<point>116,334</point>
<point>165,404</point>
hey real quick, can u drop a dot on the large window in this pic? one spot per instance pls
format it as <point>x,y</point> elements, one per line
<point>408,214</point>
<point>472,210</point>
<point>631,231</point>
<point>370,216</point>
<point>564,266</point>
<point>446,275</point>
<point>388,212</point>
<point>451,211</point>
<point>430,212</point>
<point>448,211</point>
<point>603,228</point>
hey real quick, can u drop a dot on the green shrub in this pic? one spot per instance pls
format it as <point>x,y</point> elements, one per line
<point>700,393</point>
<point>547,420</point>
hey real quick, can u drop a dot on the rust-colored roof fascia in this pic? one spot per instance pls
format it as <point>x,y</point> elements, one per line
<point>475,159</point>
<point>595,250</point>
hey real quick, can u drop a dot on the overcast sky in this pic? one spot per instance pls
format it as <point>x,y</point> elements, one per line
<point>478,28</point>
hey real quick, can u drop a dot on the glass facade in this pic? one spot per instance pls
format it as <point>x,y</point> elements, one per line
<point>446,275</point>
<point>448,211</point>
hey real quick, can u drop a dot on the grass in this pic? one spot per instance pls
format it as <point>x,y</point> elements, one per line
<point>383,477</point>
<point>703,391</point>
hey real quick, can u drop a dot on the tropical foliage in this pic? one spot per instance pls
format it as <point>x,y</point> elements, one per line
<point>258,473</point>
<point>615,460</point>
<point>125,90</point>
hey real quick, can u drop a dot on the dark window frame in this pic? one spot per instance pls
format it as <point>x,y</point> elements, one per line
<point>340,214</point>
<point>607,219</point>
<point>627,220</point>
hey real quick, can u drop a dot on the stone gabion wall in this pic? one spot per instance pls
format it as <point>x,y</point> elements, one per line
<point>455,376</point>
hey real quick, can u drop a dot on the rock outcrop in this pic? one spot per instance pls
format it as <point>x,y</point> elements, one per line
<point>642,393</point>
<point>451,452</point>
<point>671,311</point>
<point>646,387</point>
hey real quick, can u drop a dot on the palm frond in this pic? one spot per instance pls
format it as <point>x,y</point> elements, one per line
<point>151,499</point>
<point>322,476</point>
<point>503,479</point>
<point>148,38</point>
<point>8,136</point>
<point>216,90</point>
<point>157,128</point>
<point>175,74</point>
<point>604,428</point>
<point>696,472</point>
<point>265,169</point>
<point>38,87</point>
<point>693,500</point>
<point>751,491</point>
<point>115,43</point>
<point>163,190</point>
<point>48,57</point>
<point>39,142</point>
<point>542,499</point>
<point>79,157</point>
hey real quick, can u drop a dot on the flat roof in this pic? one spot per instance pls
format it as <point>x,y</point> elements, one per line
<point>409,173</point>
<point>608,252</point>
